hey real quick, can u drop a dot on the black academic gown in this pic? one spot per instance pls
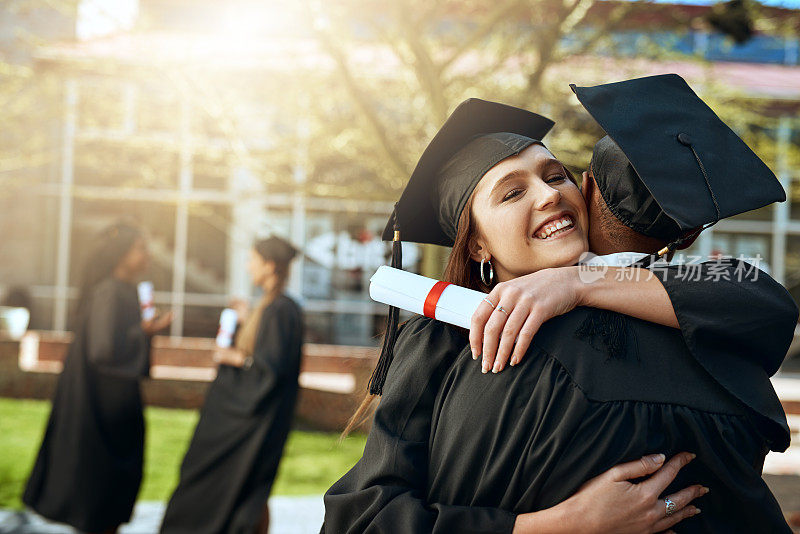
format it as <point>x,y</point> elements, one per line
<point>89,467</point>
<point>453,450</point>
<point>227,473</point>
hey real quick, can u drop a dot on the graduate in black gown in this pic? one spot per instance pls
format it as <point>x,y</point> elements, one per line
<point>228,471</point>
<point>455,449</point>
<point>89,466</point>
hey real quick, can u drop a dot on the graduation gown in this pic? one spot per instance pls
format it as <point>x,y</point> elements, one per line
<point>89,466</point>
<point>453,450</point>
<point>227,473</point>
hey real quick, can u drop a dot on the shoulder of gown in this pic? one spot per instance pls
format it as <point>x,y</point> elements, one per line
<point>272,378</point>
<point>280,332</point>
<point>736,330</point>
<point>115,341</point>
<point>738,323</point>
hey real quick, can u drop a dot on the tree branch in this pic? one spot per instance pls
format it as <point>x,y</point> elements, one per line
<point>427,73</point>
<point>575,14</point>
<point>499,14</point>
<point>363,103</point>
<point>617,15</point>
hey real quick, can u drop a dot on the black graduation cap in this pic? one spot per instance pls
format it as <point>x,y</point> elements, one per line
<point>694,166</point>
<point>430,205</point>
<point>274,248</point>
<point>626,195</point>
<point>476,136</point>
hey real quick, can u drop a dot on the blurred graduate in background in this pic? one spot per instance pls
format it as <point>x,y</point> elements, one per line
<point>228,471</point>
<point>89,467</point>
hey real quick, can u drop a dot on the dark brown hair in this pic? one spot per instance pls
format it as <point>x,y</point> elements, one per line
<point>460,270</point>
<point>109,248</point>
<point>281,254</point>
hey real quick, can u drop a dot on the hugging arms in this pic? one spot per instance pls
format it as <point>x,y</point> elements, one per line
<point>452,449</point>
<point>387,490</point>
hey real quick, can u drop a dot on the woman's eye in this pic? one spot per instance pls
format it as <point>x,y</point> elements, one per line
<point>556,179</point>
<point>511,194</point>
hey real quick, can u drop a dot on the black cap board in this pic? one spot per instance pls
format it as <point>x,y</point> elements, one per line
<point>694,166</point>
<point>432,202</point>
<point>274,248</point>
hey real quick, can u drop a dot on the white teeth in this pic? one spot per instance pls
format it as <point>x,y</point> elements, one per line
<point>554,227</point>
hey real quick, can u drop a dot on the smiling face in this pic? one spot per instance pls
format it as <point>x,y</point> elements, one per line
<point>529,215</point>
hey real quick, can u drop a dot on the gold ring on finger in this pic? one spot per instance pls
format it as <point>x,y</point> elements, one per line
<point>671,507</point>
<point>489,302</point>
<point>500,308</point>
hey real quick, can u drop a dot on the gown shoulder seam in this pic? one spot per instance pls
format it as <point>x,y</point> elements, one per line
<point>589,398</point>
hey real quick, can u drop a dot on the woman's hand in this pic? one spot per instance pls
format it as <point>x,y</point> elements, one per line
<point>530,300</point>
<point>526,302</point>
<point>229,356</point>
<point>158,323</point>
<point>610,503</point>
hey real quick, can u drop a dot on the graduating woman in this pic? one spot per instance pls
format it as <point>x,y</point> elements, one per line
<point>89,467</point>
<point>228,471</point>
<point>452,450</point>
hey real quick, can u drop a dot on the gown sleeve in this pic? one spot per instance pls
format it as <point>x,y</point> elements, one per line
<point>734,305</point>
<point>275,365</point>
<point>385,492</point>
<point>738,323</point>
<point>115,342</point>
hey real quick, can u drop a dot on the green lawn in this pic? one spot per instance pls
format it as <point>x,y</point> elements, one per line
<point>312,461</point>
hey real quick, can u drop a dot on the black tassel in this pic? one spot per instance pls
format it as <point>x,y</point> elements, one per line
<point>649,260</point>
<point>606,331</point>
<point>378,377</point>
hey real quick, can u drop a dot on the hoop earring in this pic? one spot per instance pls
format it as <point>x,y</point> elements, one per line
<point>491,272</point>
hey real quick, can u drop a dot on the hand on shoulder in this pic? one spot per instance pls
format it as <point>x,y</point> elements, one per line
<point>503,326</point>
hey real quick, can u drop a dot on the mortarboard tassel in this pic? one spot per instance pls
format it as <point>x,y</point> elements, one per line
<point>378,377</point>
<point>647,261</point>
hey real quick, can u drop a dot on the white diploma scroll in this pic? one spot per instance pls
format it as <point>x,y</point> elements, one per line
<point>14,321</point>
<point>409,291</point>
<point>146,300</point>
<point>227,326</point>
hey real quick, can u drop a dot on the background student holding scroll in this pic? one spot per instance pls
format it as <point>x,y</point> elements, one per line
<point>89,467</point>
<point>227,473</point>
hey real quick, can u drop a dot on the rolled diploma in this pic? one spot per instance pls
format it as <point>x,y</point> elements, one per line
<point>408,291</point>
<point>227,327</point>
<point>146,301</point>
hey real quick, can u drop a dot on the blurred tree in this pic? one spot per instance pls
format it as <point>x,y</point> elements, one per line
<point>29,104</point>
<point>402,67</point>
<point>355,110</point>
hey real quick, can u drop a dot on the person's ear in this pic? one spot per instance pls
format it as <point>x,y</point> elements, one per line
<point>587,185</point>
<point>478,250</point>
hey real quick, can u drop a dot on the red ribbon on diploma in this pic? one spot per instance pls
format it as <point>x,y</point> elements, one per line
<point>429,308</point>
